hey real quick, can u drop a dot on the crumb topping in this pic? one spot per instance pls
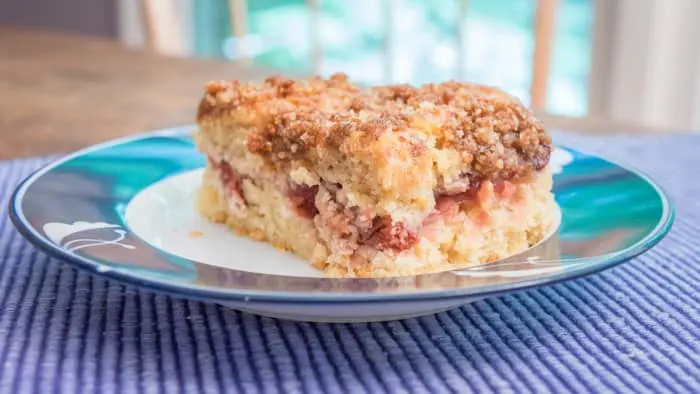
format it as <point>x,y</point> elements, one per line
<point>493,134</point>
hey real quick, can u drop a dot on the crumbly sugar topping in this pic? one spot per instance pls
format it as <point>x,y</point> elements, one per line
<point>495,136</point>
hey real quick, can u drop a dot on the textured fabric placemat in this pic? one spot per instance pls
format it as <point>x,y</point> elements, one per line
<point>634,328</point>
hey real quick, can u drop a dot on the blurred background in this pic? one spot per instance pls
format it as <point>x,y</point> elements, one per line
<point>412,41</point>
<point>611,63</point>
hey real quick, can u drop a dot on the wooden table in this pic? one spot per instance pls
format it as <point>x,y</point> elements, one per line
<point>59,93</point>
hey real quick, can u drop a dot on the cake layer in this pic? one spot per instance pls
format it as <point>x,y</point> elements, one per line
<point>497,221</point>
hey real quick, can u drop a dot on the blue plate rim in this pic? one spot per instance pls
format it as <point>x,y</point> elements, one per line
<point>211,293</point>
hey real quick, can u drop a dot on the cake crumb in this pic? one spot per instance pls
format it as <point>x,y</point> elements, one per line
<point>196,234</point>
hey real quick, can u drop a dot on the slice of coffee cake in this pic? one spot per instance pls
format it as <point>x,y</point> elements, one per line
<point>396,180</point>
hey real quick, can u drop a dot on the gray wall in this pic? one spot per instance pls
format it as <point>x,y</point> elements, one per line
<point>88,17</point>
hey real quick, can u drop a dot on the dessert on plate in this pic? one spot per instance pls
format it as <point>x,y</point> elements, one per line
<point>389,181</point>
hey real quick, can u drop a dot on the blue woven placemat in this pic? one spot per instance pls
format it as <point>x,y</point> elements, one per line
<point>634,328</point>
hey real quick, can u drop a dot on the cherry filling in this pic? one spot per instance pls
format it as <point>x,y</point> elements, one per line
<point>303,200</point>
<point>229,178</point>
<point>386,234</point>
<point>473,188</point>
<point>486,194</point>
<point>379,232</point>
<point>382,234</point>
<point>348,223</point>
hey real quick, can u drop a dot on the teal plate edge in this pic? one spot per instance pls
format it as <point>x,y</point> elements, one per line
<point>96,183</point>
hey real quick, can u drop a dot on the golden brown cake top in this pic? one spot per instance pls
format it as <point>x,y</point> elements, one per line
<point>491,132</point>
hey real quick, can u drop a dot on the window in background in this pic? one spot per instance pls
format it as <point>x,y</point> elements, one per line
<point>212,27</point>
<point>352,39</point>
<point>571,59</point>
<point>422,37</point>
<point>280,34</point>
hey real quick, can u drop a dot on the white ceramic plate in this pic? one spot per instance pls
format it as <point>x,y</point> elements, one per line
<point>125,210</point>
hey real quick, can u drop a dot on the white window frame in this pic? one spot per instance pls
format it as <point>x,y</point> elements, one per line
<point>646,63</point>
<point>175,30</point>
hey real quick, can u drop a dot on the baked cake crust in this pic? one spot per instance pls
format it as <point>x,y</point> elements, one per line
<point>493,134</point>
<point>364,172</point>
